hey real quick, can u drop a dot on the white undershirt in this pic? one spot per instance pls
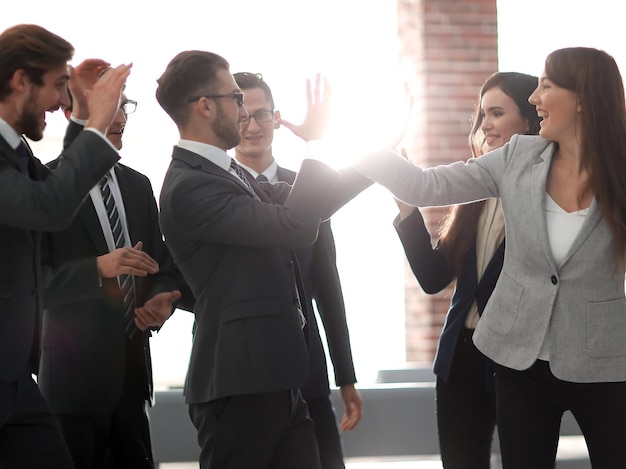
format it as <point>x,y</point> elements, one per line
<point>562,227</point>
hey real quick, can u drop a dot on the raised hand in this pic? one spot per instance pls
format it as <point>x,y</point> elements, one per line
<point>82,78</point>
<point>103,99</point>
<point>315,121</point>
<point>122,261</point>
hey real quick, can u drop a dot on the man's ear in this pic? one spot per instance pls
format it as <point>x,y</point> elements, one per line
<point>276,119</point>
<point>20,80</point>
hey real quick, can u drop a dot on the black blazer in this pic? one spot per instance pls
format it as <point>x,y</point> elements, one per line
<point>86,358</point>
<point>45,201</point>
<point>434,273</point>
<point>318,265</point>
<point>233,247</point>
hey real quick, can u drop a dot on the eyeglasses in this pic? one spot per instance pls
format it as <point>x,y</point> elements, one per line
<point>128,107</point>
<point>236,96</point>
<point>261,116</point>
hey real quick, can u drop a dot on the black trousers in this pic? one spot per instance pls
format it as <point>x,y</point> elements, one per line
<point>466,408</point>
<point>116,440</point>
<point>530,405</point>
<point>30,436</point>
<point>256,431</point>
<point>327,435</point>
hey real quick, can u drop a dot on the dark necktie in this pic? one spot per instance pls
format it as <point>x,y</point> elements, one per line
<point>237,169</point>
<point>24,153</point>
<point>262,178</point>
<point>126,280</point>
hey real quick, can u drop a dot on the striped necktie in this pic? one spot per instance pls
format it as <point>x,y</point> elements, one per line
<point>262,178</point>
<point>237,169</point>
<point>125,281</point>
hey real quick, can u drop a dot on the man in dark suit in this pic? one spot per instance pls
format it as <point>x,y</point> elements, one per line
<point>319,273</point>
<point>34,79</point>
<point>95,374</point>
<point>233,240</point>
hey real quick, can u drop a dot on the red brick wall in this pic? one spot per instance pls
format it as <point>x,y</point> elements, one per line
<point>447,50</point>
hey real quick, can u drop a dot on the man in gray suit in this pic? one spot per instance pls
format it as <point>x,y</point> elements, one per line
<point>233,239</point>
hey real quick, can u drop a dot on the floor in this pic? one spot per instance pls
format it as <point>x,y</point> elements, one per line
<point>572,453</point>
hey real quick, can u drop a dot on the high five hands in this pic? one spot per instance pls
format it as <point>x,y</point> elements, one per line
<point>315,122</point>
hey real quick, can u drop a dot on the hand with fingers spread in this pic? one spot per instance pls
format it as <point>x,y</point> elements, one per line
<point>122,261</point>
<point>156,310</point>
<point>103,99</point>
<point>82,78</point>
<point>315,121</point>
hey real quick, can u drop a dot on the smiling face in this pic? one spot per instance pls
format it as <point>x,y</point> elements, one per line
<point>257,138</point>
<point>501,118</point>
<point>559,108</point>
<point>116,129</point>
<point>37,100</point>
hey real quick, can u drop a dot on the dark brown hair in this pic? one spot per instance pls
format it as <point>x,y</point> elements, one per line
<point>189,73</point>
<point>460,226</point>
<point>31,48</point>
<point>247,80</point>
<point>595,78</point>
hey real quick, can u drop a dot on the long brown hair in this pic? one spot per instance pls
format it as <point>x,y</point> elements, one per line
<point>460,226</point>
<point>595,78</point>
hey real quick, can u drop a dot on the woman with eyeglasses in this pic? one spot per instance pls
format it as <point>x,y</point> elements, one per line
<point>555,324</point>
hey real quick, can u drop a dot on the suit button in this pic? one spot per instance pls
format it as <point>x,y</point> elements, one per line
<point>554,280</point>
<point>290,265</point>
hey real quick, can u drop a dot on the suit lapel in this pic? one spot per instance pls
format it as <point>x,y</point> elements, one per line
<point>89,217</point>
<point>538,179</point>
<point>593,217</point>
<point>198,162</point>
<point>285,175</point>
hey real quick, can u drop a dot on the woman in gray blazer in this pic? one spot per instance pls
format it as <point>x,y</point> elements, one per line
<point>555,324</point>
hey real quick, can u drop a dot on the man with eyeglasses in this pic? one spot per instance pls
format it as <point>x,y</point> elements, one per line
<point>318,268</point>
<point>233,240</point>
<point>109,280</point>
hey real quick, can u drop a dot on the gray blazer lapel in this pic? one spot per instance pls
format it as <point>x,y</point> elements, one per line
<point>594,215</point>
<point>538,181</point>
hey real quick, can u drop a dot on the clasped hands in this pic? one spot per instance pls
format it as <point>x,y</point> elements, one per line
<point>133,261</point>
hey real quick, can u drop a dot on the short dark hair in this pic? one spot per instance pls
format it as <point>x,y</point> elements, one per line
<point>247,80</point>
<point>189,73</point>
<point>31,48</point>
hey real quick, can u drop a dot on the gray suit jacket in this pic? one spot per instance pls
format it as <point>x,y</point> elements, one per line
<point>578,305</point>
<point>233,247</point>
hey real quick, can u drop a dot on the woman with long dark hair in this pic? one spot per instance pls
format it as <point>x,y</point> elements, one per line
<point>555,324</point>
<point>469,252</point>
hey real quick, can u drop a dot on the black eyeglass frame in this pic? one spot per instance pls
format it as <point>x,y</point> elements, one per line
<point>236,96</point>
<point>133,105</point>
<point>246,120</point>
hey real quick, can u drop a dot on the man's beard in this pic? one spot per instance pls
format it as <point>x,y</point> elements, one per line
<point>225,129</point>
<point>30,120</point>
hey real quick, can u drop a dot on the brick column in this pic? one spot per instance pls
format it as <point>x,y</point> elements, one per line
<point>447,50</point>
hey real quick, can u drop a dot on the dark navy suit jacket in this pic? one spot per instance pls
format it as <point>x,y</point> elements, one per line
<point>321,282</point>
<point>434,273</point>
